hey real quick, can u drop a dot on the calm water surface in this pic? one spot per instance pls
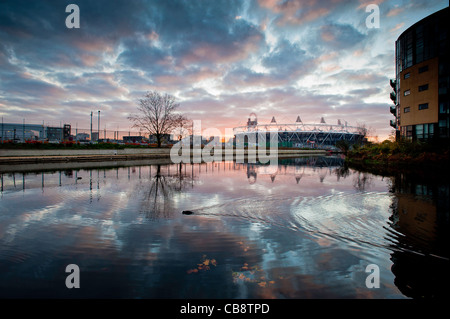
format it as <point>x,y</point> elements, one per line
<point>307,228</point>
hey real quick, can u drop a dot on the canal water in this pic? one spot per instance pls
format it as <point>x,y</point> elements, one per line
<point>307,228</point>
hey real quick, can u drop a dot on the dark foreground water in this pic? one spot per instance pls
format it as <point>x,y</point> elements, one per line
<point>307,228</point>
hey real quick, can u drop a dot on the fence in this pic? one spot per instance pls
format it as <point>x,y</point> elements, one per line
<point>23,133</point>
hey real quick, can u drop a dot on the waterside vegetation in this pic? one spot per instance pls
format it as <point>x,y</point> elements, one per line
<point>399,154</point>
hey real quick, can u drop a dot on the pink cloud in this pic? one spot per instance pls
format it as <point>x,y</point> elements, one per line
<point>395,11</point>
<point>297,12</point>
<point>327,36</point>
<point>365,3</point>
<point>219,54</point>
<point>397,27</point>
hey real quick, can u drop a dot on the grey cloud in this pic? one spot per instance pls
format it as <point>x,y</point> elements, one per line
<point>340,36</point>
<point>144,57</point>
<point>364,76</point>
<point>23,85</point>
<point>127,47</point>
<point>288,61</point>
<point>244,77</point>
<point>365,92</point>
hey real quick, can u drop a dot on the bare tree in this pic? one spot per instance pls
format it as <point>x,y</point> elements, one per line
<point>364,131</point>
<point>182,126</point>
<point>156,114</point>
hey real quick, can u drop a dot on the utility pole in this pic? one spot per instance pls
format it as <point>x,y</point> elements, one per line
<point>91,128</point>
<point>98,126</point>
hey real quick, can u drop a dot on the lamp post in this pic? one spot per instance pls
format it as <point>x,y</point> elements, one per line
<point>98,126</point>
<point>91,128</point>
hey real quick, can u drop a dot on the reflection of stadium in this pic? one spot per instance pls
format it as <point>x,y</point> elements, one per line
<point>298,134</point>
<point>296,167</point>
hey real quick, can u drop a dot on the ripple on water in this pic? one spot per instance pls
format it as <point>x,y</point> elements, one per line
<point>360,219</point>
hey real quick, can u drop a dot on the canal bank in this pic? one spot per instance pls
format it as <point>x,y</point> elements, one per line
<point>10,157</point>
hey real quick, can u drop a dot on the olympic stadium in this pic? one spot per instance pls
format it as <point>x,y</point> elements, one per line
<point>297,134</point>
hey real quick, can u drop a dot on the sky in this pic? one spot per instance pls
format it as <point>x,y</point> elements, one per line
<point>221,59</point>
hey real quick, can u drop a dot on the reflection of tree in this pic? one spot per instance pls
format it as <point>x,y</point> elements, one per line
<point>158,201</point>
<point>342,171</point>
<point>251,173</point>
<point>298,173</point>
<point>322,173</point>
<point>362,181</point>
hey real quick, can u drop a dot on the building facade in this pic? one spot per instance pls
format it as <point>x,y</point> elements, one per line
<point>420,89</point>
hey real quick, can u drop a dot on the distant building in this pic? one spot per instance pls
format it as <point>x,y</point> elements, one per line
<point>94,136</point>
<point>296,134</point>
<point>133,139</point>
<point>20,132</point>
<point>66,131</point>
<point>421,86</point>
<point>82,137</point>
<point>165,139</point>
<point>54,134</point>
<point>18,135</point>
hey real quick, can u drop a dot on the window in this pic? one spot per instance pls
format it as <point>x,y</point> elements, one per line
<point>443,84</point>
<point>408,49</point>
<point>406,76</point>
<point>425,131</point>
<point>419,131</point>
<point>423,106</point>
<point>423,87</point>
<point>407,92</point>
<point>444,128</point>
<point>409,130</point>
<point>419,44</point>
<point>423,69</point>
<point>431,129</point>
<point>406,109</point>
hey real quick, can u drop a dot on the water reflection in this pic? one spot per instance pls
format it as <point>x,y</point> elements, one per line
<point>420,213</point>
<point>306,228</point>
<point>180,175</point>
<point>160,189</point>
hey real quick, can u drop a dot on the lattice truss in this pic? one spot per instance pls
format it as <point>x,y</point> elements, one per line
<point>300,135</point>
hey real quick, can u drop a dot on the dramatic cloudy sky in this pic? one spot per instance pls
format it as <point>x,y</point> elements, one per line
<point>222,59</point>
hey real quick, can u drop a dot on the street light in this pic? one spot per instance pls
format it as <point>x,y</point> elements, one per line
<point>91,128</point>
<point>98,138</point>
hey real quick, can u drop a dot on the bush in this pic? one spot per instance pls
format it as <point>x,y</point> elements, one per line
<point>402,151</point>
<point>343,146</point>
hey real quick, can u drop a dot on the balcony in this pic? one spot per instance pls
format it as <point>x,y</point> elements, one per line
<point>393,83</point>
<point>393,124</point>
<point>393,110</point>
<point>393,97</point>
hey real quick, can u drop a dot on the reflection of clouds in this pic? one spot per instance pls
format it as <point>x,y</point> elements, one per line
<point>25,220</point>
<point>346,217</point>
<point>137,222</point>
